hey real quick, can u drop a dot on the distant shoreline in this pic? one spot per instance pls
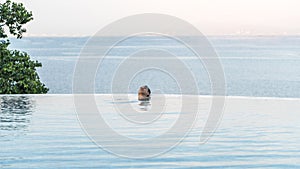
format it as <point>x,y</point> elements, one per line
<point>209,36</point>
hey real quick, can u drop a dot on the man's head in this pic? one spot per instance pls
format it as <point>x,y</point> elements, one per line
<point>144,93</point>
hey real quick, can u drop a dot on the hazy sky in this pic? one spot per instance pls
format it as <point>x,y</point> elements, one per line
<point>211,17</point>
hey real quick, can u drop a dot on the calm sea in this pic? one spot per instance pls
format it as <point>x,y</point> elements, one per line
<point>253,66</point>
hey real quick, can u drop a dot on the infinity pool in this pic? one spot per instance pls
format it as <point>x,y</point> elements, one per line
<point>43,131</point>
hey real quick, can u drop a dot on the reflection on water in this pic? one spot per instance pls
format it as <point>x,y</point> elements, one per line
<point>145,105</point>
<point>15,112</point>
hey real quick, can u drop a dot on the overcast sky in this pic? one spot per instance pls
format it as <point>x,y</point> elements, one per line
<point>211,17</point>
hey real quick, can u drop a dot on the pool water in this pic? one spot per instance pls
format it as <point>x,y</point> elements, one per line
<point>42,131</point>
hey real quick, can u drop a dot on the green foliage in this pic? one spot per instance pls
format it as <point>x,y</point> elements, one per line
<point>17,72</point>
<point>13,15</point>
